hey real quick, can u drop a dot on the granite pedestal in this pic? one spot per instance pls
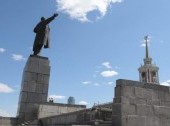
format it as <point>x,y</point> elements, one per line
<point>34,87</point>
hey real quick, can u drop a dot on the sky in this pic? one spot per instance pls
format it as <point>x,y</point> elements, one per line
<point>93,43</point>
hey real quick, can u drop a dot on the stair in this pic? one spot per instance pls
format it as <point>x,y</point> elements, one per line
<point>30,123</point>
<point>106,122</point>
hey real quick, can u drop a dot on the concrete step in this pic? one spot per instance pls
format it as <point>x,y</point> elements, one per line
<point>105,123</point>
<point>30,123</point>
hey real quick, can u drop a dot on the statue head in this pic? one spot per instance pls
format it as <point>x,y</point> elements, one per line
<point>42,18</point>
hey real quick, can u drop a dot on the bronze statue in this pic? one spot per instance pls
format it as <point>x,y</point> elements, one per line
<point>42,31</point>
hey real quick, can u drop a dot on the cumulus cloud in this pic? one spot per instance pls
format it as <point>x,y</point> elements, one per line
<point>110,83</point>
<point>107,65</point>
<point>2,50</point>
<point>83,103</point>
<point>4,88</point>
<point>18,57</point>
<point>109,73</point>
<point>166,83</point>
<point>87,82</point>
<point>79,9</point>
<point>57,97</point>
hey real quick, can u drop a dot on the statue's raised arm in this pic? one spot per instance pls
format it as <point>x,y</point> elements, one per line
<point>42,31</point>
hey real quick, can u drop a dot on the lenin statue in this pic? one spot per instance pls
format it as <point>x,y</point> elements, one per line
<point>42,31</point>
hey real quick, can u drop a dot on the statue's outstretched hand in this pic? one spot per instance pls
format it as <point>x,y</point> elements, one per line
<point>55,15</point>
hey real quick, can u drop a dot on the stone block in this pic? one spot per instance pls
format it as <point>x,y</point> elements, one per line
<point>22,107</point>
<point>24,87</point>
<point>32,86</point>
<point>155,95</point>
<point>40,78</point>
<point>45,88</point>
<point>116,120</point>
<point>21,115</point>
<point>143,93</point>
<point>44,70</point>
<point>162,111</point>
<point>35,107</point>
<point>135,120</point>
<point>122,99</point>
<point>46,79</point>
<point>30,116</point>
<point>44,98</point>
<point>153,121</point>
<point>167,97</point>
<point>44,62</point>
<point>165,103</point>
<point>128,109</point>
<point>31,97</point>
<point>39,88</point>
<point>34,97</point>
<point>153,102</point>
<point>30,76</point>
<point>144,110</point>
<point>117,91</point>
<point>116,109</point>
<point>24,96</point>
<point>165,122</point>
<point>135,101</point>
<point>161,95</point>
<point>127,91</point>
<point>29,107</point>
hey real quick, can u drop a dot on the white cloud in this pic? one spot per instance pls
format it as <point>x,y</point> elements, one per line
<point>2,50</point>
<point>57,97</point>
<point>83,103</point>
<point>107,65</point>
<point>4,88</point>
<point>87,82</point>
<point>18,57</point>
<point>109,73</point>
<point>79,9</point>
<point>166,83</point>
<point>110,83</point>
<point>4,113</point>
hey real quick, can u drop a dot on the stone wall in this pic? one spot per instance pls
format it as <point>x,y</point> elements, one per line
<point>82,117</point>
<point>52,109</point>
<point>7,121</point>
<point>141,104</point>
<point>64,119</point>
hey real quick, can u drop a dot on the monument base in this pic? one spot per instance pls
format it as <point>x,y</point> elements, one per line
<point>34,87</point>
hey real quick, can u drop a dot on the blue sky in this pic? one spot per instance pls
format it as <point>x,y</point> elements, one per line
<point>93,43</point>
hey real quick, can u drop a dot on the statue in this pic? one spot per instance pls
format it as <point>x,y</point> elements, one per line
<point>42,31</point>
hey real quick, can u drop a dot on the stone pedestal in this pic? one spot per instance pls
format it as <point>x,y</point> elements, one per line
<point>34,87</point>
